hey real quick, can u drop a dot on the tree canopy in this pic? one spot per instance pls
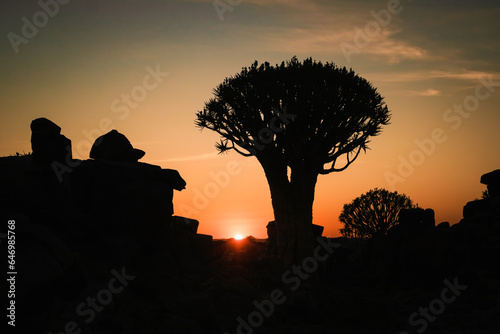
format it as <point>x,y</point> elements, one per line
<point>372,213</point>
<point>308,110</point>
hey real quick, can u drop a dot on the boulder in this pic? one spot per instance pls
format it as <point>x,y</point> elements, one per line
<point>115,146</point>
<point>272,243</point>
<point>47,143</point>
<point>186,224</point>
<point>119,194</point>
<point>203,247</point>
<point>444,225</point>
<point>53,244</point>
<point>317,230</point>
<point>37,265</point>
<point>474,208</point>
<point>173,178</point>
<point>417,218</point>
<point>492,181</point>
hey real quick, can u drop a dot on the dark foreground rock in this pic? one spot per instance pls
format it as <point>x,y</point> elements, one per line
<point>48,143</point>
<point>99,250</point>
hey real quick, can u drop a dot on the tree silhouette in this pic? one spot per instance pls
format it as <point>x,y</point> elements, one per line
<point>299,119</point>
<point>372,213</point>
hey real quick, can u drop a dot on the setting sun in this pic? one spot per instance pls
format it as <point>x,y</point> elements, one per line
<point>238,237</point>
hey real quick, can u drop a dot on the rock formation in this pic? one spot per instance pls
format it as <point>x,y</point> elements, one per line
<point>488,207</point>
<point>47,142</point>
<point>106,214</point>
<point>115,146</point>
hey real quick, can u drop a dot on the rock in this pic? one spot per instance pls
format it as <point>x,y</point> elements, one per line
<point>53,244</point>
<point>417,217</point>
<point>183,223</point>
<point>173,178</point>
<point>203,247</point>
<point>115,146</point>
<point>190,264</point>
<point>272,243</point>
<point>162,260</point>
<point>443,225</point>
<point>492,180</point>
<point>45,127</point>
<point>495,206</point>
<point>109,213</point>
<point>47,143</point>
<point>37,265</point>
<point>317,230</point>
<point>429,218</point>
<point>474,208</point>
<point>120,194</point>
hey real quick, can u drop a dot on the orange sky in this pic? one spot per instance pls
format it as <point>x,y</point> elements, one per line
<point>426,60</point>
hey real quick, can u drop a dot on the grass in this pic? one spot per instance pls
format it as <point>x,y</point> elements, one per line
<point>24,154</point>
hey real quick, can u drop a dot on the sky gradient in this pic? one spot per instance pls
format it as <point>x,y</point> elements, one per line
<point>146,67</point>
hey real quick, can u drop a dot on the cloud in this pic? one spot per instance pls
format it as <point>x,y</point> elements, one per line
<point>323,27</point>
<point>323,40</point>
<point>392,49</point>
<point>427,92</point>
<point>422,75</point>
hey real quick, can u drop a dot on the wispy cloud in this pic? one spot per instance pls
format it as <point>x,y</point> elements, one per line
<point>422,75</point>
<point>427,92</point>
<point>321,27</point>
<point>394,50</point>
<point>384,46</point>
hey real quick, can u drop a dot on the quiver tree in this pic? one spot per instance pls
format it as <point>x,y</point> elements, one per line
<point>372,213</point>
<point>299,119</point>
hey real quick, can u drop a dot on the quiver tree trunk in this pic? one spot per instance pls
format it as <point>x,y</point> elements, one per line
<point>292,202</point>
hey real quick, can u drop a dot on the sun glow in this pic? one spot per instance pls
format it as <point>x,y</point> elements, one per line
<point>238,237</point>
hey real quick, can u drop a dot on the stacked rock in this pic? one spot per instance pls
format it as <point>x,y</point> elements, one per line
<point>490,205</point>
<point>47,142</point>
<point>492,181</point>
<point>417,217</point>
